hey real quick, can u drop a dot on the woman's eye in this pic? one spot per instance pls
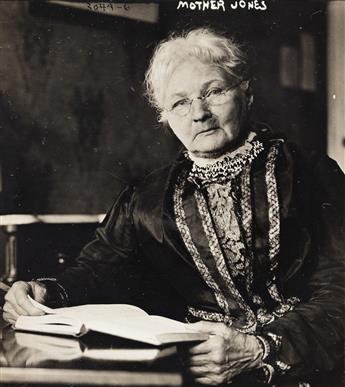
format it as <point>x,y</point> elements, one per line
<point>181,102</point>
<point>214,91</point>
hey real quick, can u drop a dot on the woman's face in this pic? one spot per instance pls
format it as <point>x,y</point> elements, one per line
<point>206,131</point>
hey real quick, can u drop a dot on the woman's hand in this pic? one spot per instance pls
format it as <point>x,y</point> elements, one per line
<point>17,302</point>
<point>224,355</point>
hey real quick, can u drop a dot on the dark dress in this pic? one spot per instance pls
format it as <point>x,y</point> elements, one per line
<point>139,256</point>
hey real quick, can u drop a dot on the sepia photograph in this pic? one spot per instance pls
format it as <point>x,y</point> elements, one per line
<point>172,199</point>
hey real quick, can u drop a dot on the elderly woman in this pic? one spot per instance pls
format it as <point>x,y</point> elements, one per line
<point>241,235</point>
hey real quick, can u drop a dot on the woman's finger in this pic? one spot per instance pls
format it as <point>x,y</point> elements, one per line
<point>204,347</point>
<point>196,360</point>
<point>198,370</point>
<point>9,311</point>
<point>39,291</point>
<point>17,296</point>
<point>8,317</point>
<point>13,307</point>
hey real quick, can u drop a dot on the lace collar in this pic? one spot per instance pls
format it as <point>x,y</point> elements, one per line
<point>226,167</point>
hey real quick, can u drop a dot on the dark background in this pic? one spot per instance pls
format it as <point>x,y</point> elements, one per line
<point>74,126</point>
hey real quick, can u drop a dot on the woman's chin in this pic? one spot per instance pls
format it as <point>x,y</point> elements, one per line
<point>211,149</point>
<point>209,153</point>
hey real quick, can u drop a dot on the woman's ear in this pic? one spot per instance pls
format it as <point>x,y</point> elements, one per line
<point>247,88</point>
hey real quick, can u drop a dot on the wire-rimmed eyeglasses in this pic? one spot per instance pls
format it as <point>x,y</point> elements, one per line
<point>212,97</point>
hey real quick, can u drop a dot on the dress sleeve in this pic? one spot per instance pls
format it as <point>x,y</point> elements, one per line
<point>312,335</point>
<point>104,271</point>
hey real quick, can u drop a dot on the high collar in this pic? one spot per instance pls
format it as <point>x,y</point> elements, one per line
<point>227,167</point>
<point>204,162</point>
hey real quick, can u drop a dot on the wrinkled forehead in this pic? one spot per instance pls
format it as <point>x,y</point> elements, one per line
<point>189,75</point>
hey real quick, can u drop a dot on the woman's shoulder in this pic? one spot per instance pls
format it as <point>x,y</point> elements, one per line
<point>158,181</point>
<point>306,167</point>
<point>303,157</point>
<point>311,160</point>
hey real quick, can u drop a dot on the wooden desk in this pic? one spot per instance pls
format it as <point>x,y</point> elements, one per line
<point>22,362</point>
<point>25,361</point>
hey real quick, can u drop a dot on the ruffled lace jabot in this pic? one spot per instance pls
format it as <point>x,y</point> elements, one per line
<point>207,171</point>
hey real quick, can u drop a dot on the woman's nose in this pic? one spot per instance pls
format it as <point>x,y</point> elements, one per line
<point>200,110</point>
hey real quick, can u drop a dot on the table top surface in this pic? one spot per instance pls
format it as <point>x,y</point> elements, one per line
<point>95,359</point>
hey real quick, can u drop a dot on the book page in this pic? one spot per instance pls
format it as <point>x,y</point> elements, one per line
<point>159,324</point>
<point>147,329</point>
<point>85,312</point>
<point>42,307</point>
<point>107,312</point>
<point>61,325</point>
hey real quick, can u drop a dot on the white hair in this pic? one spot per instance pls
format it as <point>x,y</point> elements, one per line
<point>203,44</point>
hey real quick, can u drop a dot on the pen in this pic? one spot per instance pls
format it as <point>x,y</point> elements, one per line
<point>4,287</point>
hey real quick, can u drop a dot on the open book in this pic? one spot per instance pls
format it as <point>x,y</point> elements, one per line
<point>125,321</point>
